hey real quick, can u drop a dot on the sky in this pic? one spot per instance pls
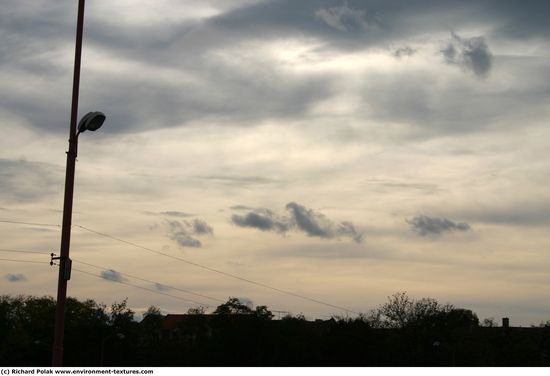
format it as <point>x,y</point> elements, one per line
<point>327,153</point>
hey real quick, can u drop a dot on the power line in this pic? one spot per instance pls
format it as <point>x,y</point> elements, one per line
<point>27,261</point>
<point>216,270</point>
<point>30,223</point>
<point>149,281</point>
<point>290,293</point>
<point>21,251</point>
<point>122,282</point>
<point>144,288</point>
<point>124,274</point>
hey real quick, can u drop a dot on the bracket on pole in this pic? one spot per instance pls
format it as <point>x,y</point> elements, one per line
<point>65,263</point>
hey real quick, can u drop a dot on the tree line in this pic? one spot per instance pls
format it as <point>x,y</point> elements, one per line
<point>401,331</point>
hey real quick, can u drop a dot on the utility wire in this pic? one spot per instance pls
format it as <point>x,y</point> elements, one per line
<point>27,261</point>
<point>216,270</point>
<point>30,223</point>
<point>193,264</point>
<point>20,251</point>
<point>144,288</point>
<point>149,281</point>
<point>124,274</point>
<point>124,283</point>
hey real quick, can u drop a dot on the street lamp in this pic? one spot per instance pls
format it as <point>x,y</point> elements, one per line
<point>91,122</point>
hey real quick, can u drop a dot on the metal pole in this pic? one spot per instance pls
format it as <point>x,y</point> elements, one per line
<point>57,358</point>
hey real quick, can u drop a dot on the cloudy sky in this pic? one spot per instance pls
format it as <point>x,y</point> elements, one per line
<point>336,150</point>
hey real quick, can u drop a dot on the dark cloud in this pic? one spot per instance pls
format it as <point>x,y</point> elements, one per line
<point>261,219</point>
<point>181,233</point>
<point>313,224</point>
<point>404,51</point>
<point>112,275</point>
<point>200,227</point>
<point>471,54</point>
<point>424,225</point>
<point>15,277</point>
<point>318,225</point>
<point>360,24</point>
<point>134,101</point>
<point>301,218</point>
<point>186,240</point>
<point>36,34</point>
<point>348,229</point>
<point>184,232</point>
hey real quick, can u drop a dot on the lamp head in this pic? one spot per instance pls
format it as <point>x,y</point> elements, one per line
<point>92,121</point>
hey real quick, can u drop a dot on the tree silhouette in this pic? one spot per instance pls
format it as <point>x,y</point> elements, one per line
<point>196,310</point>
<point>263,313</point>
<point>401,311</point>
<point>233,306</point>
<point>121,316</point>
<point>402,331</point>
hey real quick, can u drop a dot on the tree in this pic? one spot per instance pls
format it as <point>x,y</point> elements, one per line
<point>373,318</point>
<point>400,311</point>
<point>263,313</point>
<point>121,317</point>
<point>151,323</point>
<point>396,312</point>
<point>233,306</point>
<point>489,322</point>
<point>150,330</point>
<point>152,311</point>
<point>88,313</point>
<point>26,328</point>
<point>87,319</point>
<point>196,310</point>
<point>459,318</point>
